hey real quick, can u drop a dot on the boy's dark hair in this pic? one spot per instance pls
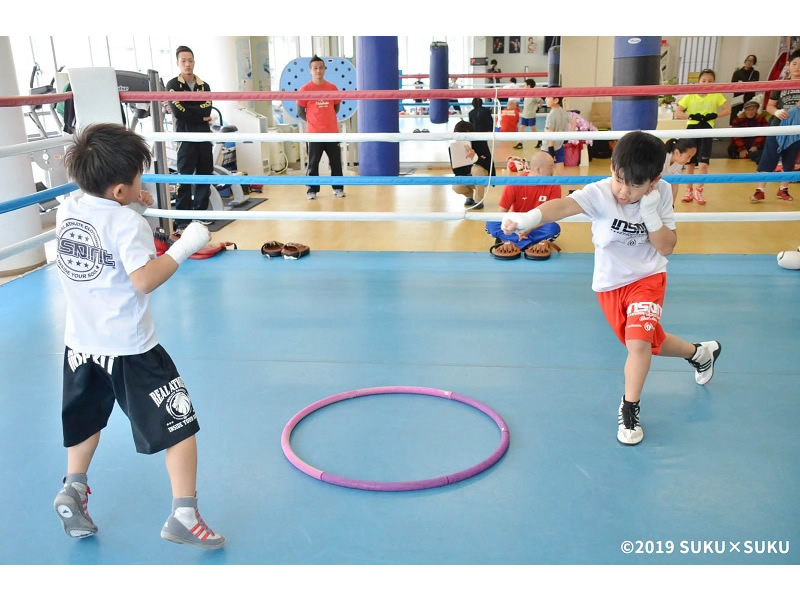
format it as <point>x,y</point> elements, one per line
<point>314,59</point>
<point>477,102</point>
<point>638,157</point>
<point>493,61</point>
<point>707,72</point>
<point>463,127</point>
<point>560,100</point>
<point>104,155</point>
<point>530,83</point>
<point>793,55</point>
<point>182,49</point>
<point>683,144</point>
<point>513,80</point>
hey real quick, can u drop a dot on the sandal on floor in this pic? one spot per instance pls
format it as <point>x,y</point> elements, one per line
<point>505,251</point>
<point>272,249</point>
<point>541,250</point>
<point>294,250</point>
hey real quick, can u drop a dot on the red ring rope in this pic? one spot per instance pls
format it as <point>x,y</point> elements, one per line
<point>585,92</point>
<point>477,75</point>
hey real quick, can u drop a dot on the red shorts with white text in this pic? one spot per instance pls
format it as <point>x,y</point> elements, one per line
<point>634,310</point>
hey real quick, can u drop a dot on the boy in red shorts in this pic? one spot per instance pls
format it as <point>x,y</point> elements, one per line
<point>633,231</point>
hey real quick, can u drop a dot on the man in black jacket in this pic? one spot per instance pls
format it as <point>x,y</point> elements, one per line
<point>194,158</point>
<point>480,117</point>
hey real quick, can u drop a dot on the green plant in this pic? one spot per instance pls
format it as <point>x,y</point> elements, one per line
<point>668,98</point>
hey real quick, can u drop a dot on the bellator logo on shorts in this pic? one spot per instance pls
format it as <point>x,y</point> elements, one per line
<point>80,256</point>
<point>176,402</point>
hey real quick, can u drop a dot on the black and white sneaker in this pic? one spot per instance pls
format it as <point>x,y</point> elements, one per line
<point>704,359</point>
<point>630,431</point>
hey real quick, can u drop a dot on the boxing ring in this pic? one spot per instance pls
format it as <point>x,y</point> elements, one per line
<point>257,341</point>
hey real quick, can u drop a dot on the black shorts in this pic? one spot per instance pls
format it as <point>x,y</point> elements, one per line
<point>147,387</point>
<point>703,154</point>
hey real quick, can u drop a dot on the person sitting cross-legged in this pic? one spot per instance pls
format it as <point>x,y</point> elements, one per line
<point>524,198</point>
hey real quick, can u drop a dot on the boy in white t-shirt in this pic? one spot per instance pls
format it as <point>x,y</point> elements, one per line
<point>108,267</point>
<point>633,231</point>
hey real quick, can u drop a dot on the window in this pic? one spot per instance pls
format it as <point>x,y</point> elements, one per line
<point>697,53</point>
<point>98,46</point>
<point>282,50</point>
<point>123,53</point>
<point>72,52</point>
<point>414,53</point>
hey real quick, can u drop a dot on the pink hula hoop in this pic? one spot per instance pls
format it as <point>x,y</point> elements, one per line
<point>394,486</point>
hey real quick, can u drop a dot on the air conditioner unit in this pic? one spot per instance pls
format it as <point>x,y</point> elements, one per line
<point>292,149</point>
<point>251,157</point>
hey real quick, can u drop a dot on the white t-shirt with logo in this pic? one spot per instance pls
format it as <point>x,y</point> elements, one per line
<point>622,249</point>
<point>99,243</point>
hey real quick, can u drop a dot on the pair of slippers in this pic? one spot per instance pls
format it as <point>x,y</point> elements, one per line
<point>510,251</point>
<point>289,250</point>
<point>162,242</point>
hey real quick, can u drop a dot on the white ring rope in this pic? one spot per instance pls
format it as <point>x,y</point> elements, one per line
<point>27,244</point>
<point>444,136</point>
<point>464,215</point>
<point>35,146</point>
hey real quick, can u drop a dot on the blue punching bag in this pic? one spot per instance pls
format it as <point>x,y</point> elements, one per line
<point>439,79</point>
<point>554,66</point>
<point>637,61</point>
<point>377,70</point>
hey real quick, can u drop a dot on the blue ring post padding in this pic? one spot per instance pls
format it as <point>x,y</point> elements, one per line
<point>439,111</point>
<point>377,70</point>
<point>338,71</point>
<point>554,66</point>
<point>636,62</point>
<point>630,115</point>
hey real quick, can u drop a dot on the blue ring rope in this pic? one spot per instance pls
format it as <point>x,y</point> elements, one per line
<point>23,201</point>
<point>454,180</point>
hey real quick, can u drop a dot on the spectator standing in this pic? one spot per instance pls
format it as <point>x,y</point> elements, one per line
<point>744,73</point>
<point>194,158</point>
<point>321,118</point>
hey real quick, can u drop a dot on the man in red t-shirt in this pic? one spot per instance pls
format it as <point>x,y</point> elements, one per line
<point>320,116</point>
<point>524,198</point>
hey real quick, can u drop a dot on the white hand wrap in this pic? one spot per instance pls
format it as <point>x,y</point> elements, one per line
<point>521,221</point>
<point>648,209</point>
<point>193,238</point>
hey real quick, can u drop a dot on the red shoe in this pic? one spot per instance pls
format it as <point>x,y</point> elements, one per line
<point>783,194</point>
<point>698,196</point>
<point>758,196</point>
<point>688,196</point>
